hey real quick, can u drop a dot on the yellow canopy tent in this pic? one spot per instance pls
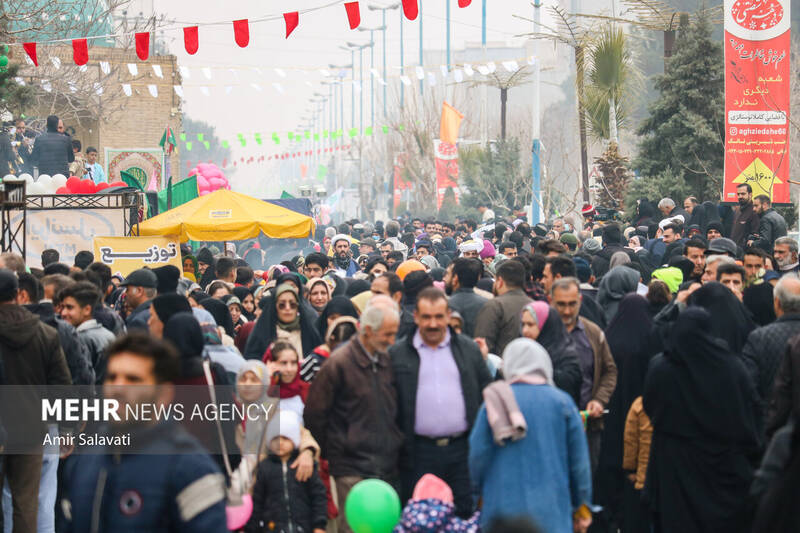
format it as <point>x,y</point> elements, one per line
<point>225,215</point>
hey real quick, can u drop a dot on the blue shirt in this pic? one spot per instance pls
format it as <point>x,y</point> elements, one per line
<point>97,173</point>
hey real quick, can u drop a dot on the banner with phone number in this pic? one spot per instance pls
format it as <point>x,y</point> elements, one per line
<point>757,78</point>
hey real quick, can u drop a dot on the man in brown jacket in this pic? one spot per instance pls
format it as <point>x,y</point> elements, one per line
<point>599,373</point>
<point>351,409</point>
<point>499,319</point>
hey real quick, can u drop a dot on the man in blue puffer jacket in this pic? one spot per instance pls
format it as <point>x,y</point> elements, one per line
<point>163,480</point>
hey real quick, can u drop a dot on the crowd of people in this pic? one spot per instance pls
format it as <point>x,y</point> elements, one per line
<point>571,376</point>
<point>51,152</point>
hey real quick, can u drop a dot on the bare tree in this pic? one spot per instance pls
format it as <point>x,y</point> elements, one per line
<point>78,94</point>
<point>504,81</point>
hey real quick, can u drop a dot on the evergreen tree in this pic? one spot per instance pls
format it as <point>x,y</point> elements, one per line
<point>682,138</point>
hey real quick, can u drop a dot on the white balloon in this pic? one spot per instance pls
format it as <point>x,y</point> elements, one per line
<point>9,177</point>
<point>27,177</point>
<point>43,178</point>
<point>45,181</point>
<point>35,188</point>
<point>60,181</point>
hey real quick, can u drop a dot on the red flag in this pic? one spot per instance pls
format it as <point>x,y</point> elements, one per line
<point>464,3</point>
<point>143,45</point>
<point>410,9</point>
<point>190,41</point>
<point>30,49</point>
<point>353,14</point>
<point>292,20</point>
<point>80,51</point>
<point>241,32</point>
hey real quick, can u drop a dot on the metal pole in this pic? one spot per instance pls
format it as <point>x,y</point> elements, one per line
<point>537,213</point>
<point>421,82</point>
<point>372,79</point>
<point>402,62</point>
<point>361,92</point>
<point>484,88</point>
<point>483,22</point>
<point>385,83</point>
<point>353,89</point>
<point>448,34</point>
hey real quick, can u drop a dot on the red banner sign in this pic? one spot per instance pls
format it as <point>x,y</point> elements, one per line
<point>757,77</point>
<point>400,184</point>
<point>446,170</point>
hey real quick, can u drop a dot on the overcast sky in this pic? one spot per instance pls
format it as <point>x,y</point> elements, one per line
<point>313,45</point>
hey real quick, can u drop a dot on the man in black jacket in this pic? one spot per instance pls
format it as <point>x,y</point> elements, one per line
<point>31,355</point>
<point>75,351</point>
<point>771,225</point>
<point>745,220</point>
<point>460,279</point>
<point>52,151</point>
<point>439,377</point>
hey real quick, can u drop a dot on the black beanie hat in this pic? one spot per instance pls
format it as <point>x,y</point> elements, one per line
<point>168,276</point>
<point>415,281</point>
<point>205,256</point>
<point>167,305</point>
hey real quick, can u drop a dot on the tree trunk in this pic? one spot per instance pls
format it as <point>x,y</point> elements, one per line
<point>612,121</point>
<point>582,122</point>
<point>503,100</point>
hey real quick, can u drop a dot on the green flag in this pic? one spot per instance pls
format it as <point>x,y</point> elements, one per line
<point>182,192</point>
<point>316,136</point>
<point>182,136</point>
<point>285,195</point>
<point>207,145</point>
<point>322,171</point>
<point>258,138</point>
<point>225,144</point>
<point>368,130</point>
<point>200,137</point>
<point>385,129</point>
<point>188,146</point>
<point>353,132</point>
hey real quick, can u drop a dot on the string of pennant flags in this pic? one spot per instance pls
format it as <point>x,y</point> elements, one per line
<point>191,34</point>
<point>235,162</point>
<point>189,139</point>
<point>459,74</point>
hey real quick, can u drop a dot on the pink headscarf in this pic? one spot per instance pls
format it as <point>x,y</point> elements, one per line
<point>539,311</point>
<point>488,249</point>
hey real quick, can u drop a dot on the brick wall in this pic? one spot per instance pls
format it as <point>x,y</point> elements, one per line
<point>142,119</point>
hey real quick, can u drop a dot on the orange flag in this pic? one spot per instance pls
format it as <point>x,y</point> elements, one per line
<point>451,121</point>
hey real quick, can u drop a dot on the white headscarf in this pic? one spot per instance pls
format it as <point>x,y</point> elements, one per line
<point>525,356</point>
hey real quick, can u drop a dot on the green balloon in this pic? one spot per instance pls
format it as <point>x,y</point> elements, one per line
<point>3,61</point>
<point>372,506</point>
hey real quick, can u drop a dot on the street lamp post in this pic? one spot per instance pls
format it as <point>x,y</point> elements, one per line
<point>421,82</point>
<point>372,68</point>
<point>383,14</point>
<point>341,93</point>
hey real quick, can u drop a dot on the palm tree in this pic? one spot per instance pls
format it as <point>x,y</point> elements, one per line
<point>611,74</point>
<point>505,81</point>
<point>612,78</point>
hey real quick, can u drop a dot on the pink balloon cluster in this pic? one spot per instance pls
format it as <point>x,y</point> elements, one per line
<point>209,178</point>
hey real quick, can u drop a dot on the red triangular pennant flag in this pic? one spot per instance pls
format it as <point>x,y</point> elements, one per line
<point>410,9</point>
<point>80,51</point>
<point>30,49</point>
<point>292,20</point>
<point>143,45</point>
<point>353,14</point>
<point>190,41</point>
<point>241,32</point>
<point>464,3</point>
